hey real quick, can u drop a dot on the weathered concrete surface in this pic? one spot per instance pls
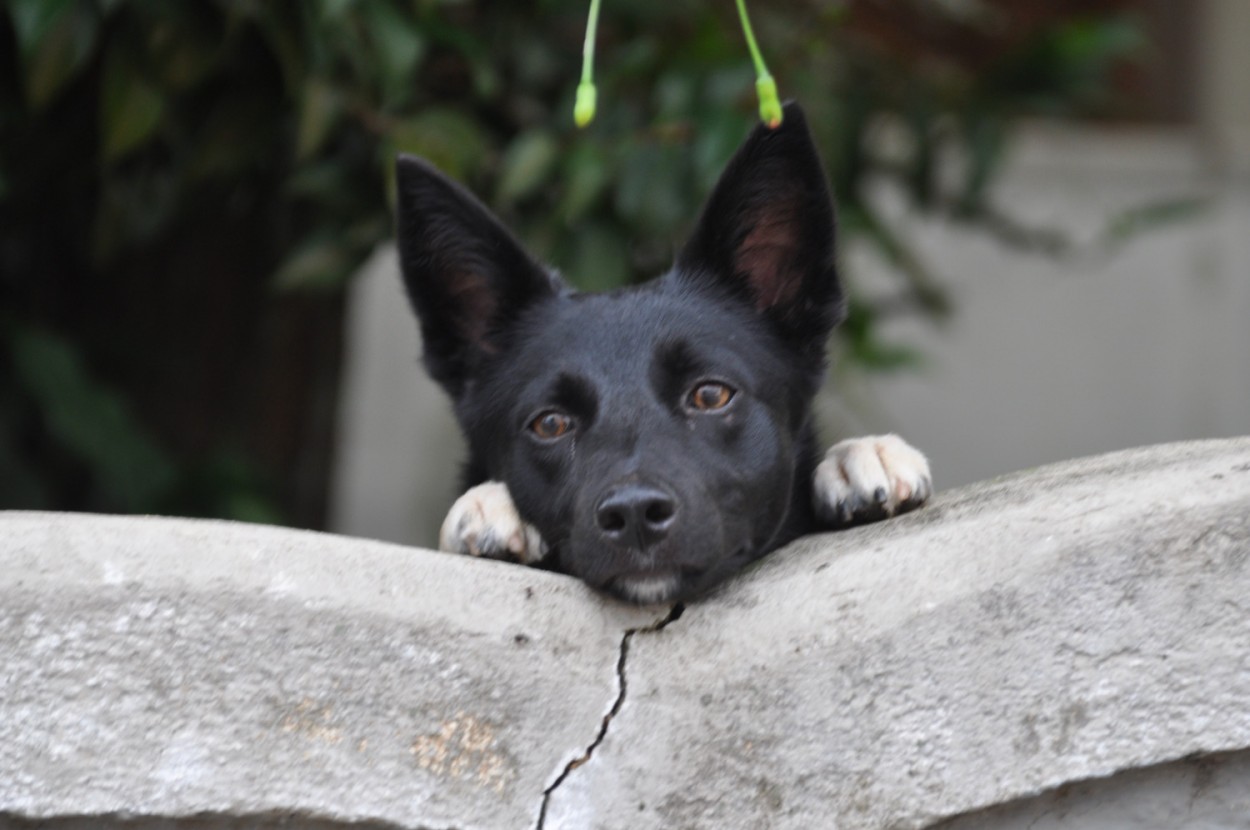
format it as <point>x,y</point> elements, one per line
<point>1058,626</point>
<point>1211,792</point>
<point>159,667</point>
<point>1053,626</point>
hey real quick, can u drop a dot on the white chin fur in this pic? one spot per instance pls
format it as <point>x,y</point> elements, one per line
<point>649,589</point>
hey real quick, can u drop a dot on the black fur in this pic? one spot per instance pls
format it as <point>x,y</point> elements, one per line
<point>644,485</point>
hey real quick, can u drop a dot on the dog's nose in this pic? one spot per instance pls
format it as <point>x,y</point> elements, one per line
<point>635,514</point>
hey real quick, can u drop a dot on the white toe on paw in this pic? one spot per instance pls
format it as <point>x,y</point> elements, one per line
<point>485,522</point>
<point>870,478</point>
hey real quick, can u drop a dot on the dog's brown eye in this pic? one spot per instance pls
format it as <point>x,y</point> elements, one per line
<point>551,424</point>
<point>709,397</point>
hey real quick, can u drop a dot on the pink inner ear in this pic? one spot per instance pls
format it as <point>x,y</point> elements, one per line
<point>766,258</point>
<point>472,306</point>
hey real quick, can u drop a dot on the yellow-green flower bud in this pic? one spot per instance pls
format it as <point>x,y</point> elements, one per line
<point>770,105</point>
<point>584,108</point>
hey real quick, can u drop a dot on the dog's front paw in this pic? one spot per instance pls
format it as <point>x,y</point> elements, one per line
<point>871,478</point>
<point>485,522</point>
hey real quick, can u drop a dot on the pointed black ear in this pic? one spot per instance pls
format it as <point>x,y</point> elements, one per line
<point>466,275</point>
<point>767,233</point>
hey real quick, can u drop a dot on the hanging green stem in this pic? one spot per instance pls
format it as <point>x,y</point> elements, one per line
<point>765,86</point>
<point>584,108</point>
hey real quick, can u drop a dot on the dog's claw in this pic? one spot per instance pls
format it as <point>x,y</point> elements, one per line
<point>867,479</point>
<point>484,522</point>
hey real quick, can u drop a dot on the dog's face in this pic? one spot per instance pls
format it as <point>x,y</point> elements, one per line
<point>657,437</point>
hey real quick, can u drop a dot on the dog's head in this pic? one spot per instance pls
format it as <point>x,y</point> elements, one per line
<point>658,437</point>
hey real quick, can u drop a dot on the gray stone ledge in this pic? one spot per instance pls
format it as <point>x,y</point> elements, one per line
<point>1071,632</point>
<point>1211,792</point>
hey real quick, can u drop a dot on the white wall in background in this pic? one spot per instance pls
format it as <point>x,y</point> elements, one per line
<point>1051,358</point>
<point>399,452</point>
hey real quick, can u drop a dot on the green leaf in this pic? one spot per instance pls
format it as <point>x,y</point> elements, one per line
<point>527,164</point>
<point>130,107</point>
<point>476,48</point>
<point>56,38</point>
<point>675,95</point>
<point>251,507</point>
<point>653,190</point>
<point>332,11</point>
<point>985,137</point>
<point>90,420</point>
<point>922,165</point>
<point>718,136</point>
<point>450,140</point>
<point>585,176</point>
<point>1153,215</point>
<point>1087,45</point>
<point>323,181</point>
<point>878,356</point>
<point>363,235</point>
<point>866,349</point>
<point>182,54</point>
<point>397,47</point>
<point>320,110</point>
<point>924,288</point>
<point>33,19</point>
<point>319,264</point>
<point>599,259</point>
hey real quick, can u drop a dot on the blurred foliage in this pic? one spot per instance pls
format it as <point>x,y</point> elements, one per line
<point>185,187</point>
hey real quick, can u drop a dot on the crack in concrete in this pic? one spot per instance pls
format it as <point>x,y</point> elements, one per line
<point>621,687</point>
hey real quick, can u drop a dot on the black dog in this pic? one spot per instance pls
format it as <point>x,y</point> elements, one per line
<point>650,440</point>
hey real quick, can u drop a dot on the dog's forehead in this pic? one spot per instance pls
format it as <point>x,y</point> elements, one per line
<point>619,330</point>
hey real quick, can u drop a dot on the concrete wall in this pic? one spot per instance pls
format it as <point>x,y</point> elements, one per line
<point>1067,647</point>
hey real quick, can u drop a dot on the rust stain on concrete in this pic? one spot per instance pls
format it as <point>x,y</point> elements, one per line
<point>465,748</point>
<point>314,721</point>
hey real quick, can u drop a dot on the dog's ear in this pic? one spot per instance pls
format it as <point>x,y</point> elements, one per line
<point>767,233</point>
<point>466,275</point>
